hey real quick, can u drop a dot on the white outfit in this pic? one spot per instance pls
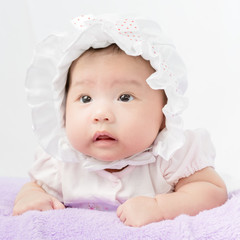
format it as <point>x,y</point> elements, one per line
<point>75,186</point>
<point>76,179</point>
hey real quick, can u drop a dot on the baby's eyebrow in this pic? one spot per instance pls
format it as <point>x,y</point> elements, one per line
<point>83,82</point>
<point>127,82</point>
<point>91,82</point>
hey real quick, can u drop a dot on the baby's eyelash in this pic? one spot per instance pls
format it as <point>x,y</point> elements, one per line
<point>85,98</point>
<point>126,97</point>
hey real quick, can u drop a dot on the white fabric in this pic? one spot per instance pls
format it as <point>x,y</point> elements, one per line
<point>72,184</point>
<point>46,79</point>
<point>143,158</point>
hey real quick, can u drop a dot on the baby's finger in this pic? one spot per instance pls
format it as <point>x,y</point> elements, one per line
<point>122,218</point>
<point>121,215</point>
<point>46,207</point>
<point>119,210</point>
<point>57,204</point>
<point>17,211</point>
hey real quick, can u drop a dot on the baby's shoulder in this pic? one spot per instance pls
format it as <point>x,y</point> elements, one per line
<point>197,142</point>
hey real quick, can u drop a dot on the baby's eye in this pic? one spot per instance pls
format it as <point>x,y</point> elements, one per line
<point>85,99</point>
<point>125,98</point>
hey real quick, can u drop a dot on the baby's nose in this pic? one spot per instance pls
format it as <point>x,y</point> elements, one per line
<point>101,119</point>
<point>103,115</point>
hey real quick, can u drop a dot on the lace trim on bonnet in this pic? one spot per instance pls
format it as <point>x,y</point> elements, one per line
<point>46,79</point>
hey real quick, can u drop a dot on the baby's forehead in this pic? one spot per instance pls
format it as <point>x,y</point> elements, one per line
<point>88,63</point>
<point>112,51</point>
<point>110,62</point>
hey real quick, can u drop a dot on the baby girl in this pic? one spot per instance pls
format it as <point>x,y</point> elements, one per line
<point>106,100</point>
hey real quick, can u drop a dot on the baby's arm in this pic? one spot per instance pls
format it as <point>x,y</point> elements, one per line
<point>33,197</point>
<point>202,190</point>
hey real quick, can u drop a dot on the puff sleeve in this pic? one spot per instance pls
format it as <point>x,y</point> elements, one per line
<point>197,153</point>
<point>46,173</point>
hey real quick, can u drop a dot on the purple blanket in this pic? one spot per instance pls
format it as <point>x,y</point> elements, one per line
<point>73,224</point>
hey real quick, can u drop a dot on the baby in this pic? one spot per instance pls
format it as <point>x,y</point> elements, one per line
<point>106,100</point>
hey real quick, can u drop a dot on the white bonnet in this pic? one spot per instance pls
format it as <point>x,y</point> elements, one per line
<point>46,77</point>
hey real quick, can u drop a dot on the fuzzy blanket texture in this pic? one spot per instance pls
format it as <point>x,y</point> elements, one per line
<point>73,224</point>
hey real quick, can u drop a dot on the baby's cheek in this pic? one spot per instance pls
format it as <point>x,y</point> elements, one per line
<point>71,133</point>
<point>75,141</point>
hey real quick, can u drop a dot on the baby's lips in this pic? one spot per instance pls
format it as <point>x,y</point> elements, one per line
<point>103,135</point>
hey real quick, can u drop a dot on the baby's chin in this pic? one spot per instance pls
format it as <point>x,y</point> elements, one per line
<point>110,155</point>
<point>110,158</point>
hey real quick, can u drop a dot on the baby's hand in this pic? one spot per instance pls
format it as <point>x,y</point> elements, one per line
<point>33,197</point>
<point>139,211</point>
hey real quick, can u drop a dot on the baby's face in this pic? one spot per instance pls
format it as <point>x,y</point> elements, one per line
<point>111,112</point>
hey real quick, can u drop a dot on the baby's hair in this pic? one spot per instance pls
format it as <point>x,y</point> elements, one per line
<point>113,48</point>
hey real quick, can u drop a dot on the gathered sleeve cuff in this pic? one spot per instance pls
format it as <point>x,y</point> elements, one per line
<point>197,153</point>
<point>46,173</point>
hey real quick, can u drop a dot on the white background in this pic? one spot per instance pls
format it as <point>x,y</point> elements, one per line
<point>206,34</point>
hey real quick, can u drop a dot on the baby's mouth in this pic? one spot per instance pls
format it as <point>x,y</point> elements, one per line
<point>103,136</point>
